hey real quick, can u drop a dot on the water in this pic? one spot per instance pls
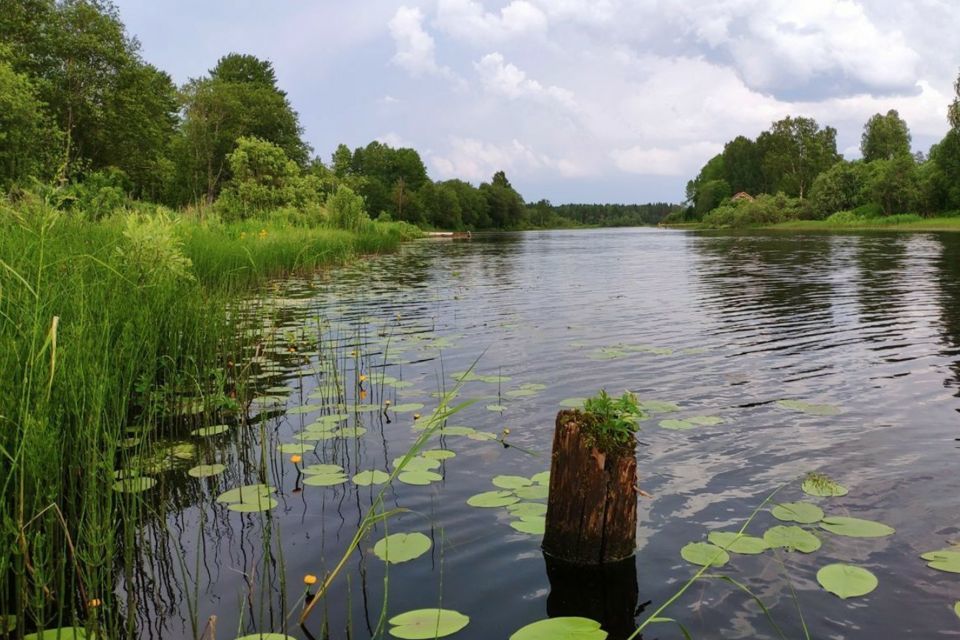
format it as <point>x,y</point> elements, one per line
<point>724,325</point>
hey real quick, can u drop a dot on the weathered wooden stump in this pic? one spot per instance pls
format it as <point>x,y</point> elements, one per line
<point>592,507</point>
<point>607,593</point>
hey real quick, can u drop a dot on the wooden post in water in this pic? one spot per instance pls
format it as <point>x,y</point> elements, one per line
<point>592,507</point>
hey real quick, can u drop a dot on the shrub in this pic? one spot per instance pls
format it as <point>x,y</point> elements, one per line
<point>346,209</point>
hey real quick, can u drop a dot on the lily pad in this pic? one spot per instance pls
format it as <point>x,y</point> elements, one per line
<point>418,463</point>
<point>325,479</point>
<point>134,485</point>
<point>541,478</point>
<point>563,628</point>
<point>298,448</point>
<point>327,469</point>
<point>249,498</point>
<point>792,538</point>
<point>266,636</point>
<point>511,482</point>
<point>457,431</point>
<point>534,525</point>
<point>438,454</point>
<point>956,608</point>
<point>677,425</point>
<point>213,430</point>
<point>809,407</point>
<point>704,554</point>
<point>407,408</point>
<point>367,478</point>
<point>426,624</point>
<point>307,408</point>
<point>497,408</point>
<point>535,492</point>
<point>737,542</point>
<point>351,432</point>
<point>527,509</point>
<point>816,484</point>
<point>846,580</point>
<point>402,547</point>
<point>573,403</point>
<point>207,470</point>
<point>945,560</point>
<point>63,633</point>
<point>706,421</point>
<point>419,478</point>
<point>658,406</point>
<point>482,436</point>
<point>856,527</point>
<point>490,499</point>
<point>802,512</point>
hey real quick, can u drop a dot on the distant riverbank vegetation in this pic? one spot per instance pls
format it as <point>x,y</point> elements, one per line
<point>793,176</point>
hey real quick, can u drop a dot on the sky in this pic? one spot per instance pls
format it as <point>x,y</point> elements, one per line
<point>577,100</point>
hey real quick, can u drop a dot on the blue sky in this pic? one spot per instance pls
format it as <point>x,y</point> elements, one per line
<point>577,100</point>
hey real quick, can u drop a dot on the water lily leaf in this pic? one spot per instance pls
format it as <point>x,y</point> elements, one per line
<point>266,636</point>
<point>245,493</point>
<point>677,425</point>
<point>482,436</point>
<point>63,633</point>
<point>956,608</point>
<point>490,499</point>
<point>367,478</point>
<point>134,485</point>
<point>259,504</point>
<point>331,419</point>
<point>322,469</point>
<point>298,448</point>
<point>535,492</point>
<point>527,509</point>
<point>658,406</point>
<point>307,408</point>
<point>738,542</point>
<point>364,408</point>
<point>207,470</point>
<point>822,486</point>
<point>351,432</point>
<point>407,408</point>
<point>856,527</point>
<point>541,478</point>
<point>213,430</point>
<point>438,454</point>
<point>564,628</point>
<point>706,421</point>
<point>419,478</point>
<point>846,580</point>
<point>511,482</point>
<point>496,408</point>
<point>311,435</point>
<point>418,463</point>
<point>802,512</point>
<point>457,431</point>
<point>520,393</point>
<point>945,560</point>
<point>402,547</point>
<point>704,554</point>
<point>325,479</point>
<point>426,624</point>
<point>534,525</point>
<point>573,403</point>
<point>809,407</point>
<point>399,384</point>
<point>792,538</point>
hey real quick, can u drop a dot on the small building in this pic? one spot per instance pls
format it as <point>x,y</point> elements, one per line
<point>743,195</point>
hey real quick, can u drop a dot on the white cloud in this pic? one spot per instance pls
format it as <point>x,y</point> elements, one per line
<point>680,161</point>
<point>467,20</point>
<point>415,47</point>
<point>475,160</point>
<point>503,78</point>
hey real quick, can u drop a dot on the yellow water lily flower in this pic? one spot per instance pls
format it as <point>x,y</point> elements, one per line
<point>295,459</point>
<point>309,579</point>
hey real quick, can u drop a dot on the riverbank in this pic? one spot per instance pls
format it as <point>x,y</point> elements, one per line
<point>888,223</point>
<point>111,331</point>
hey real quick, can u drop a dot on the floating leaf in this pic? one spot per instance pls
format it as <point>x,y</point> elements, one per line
<point>677,425</point>
<point>482,436</point>
<point>534,525</point>
<point>573,403</point>
<point>307,408</point>
<point>134,485</point>
<point>402,547</point>
<point>213,430</point>
<point>792,538</point>
<point>846,580</point>
<point>298,448</point>
<point>511,482</point>
<point>944,560</point>
<point>438,454</point>
<point>351,432</point>
<point>658,406</point>
<point>207,470</point>
<point>499,408</point>
<point>535,492</point>
<point>564,628</point>
<point>808,407</point>
<point>527,509</point>
<point>426,624</point>
<point>418,463</point>
<point>367,478</point>
<point>327,469</point>
<point>956,608</point>
<point>325,479</point>
<point>856,527</point>
<point>704,554</point>
<point>407,408</point>
<point>706,421</point>
<point>419,478</point>
<point>802,512</point>
<point>738,542</point>
<point>490,499</point>
<point>541,478</point>
<point>266,636</point>
<point>457,431</point>
<point>63,633</point>
<point>331,419</point>
<point>816,484</point>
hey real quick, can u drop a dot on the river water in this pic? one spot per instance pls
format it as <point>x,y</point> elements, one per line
<point>865,327</point>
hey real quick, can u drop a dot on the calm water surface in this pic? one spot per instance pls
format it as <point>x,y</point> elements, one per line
<point>722,325</point>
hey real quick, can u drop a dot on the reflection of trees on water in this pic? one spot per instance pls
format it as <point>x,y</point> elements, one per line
<point>948,282</point>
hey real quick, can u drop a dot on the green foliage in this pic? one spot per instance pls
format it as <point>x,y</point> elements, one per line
<point>795,151</point>
<point>346,209</point>
<point>742,166</point>
<point>28,138</point>
<point>151,250</point>
<point>885,137</point>
<point>839,188</point>
<point>763,210</point>
<point>612,422</point>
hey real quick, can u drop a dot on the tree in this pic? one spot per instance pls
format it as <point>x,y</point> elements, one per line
<point>29,141</point>
<point>839,188</point>
<point>885,137</point>
<point>794,152</point>
<point>389,175</point>
<point>710,195</point>
<point>741,166</point>
<point>953,112</point>
<point>504,205</point>
<point>346,209</point>
<point>894,184</point>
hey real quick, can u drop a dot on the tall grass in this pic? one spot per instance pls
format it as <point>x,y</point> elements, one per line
<point>95,319</point>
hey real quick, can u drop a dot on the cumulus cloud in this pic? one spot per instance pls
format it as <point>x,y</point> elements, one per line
<point>415,47</point>
<point>682,160</point>
<point>503,78</point>
<point>477,160</point>
<point>467,20</point>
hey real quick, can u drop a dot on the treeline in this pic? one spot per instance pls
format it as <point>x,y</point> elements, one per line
<point>82,110</point>
<point>543,214</point>
<point>793,171</point>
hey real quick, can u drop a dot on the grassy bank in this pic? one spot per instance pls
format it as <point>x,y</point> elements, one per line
<point>892,223</point>
<point>110,332</point>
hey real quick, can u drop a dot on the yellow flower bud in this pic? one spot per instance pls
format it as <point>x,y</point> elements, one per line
<point>309,579</point>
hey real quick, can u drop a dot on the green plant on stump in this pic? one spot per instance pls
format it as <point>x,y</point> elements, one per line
<point>610,423</point>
